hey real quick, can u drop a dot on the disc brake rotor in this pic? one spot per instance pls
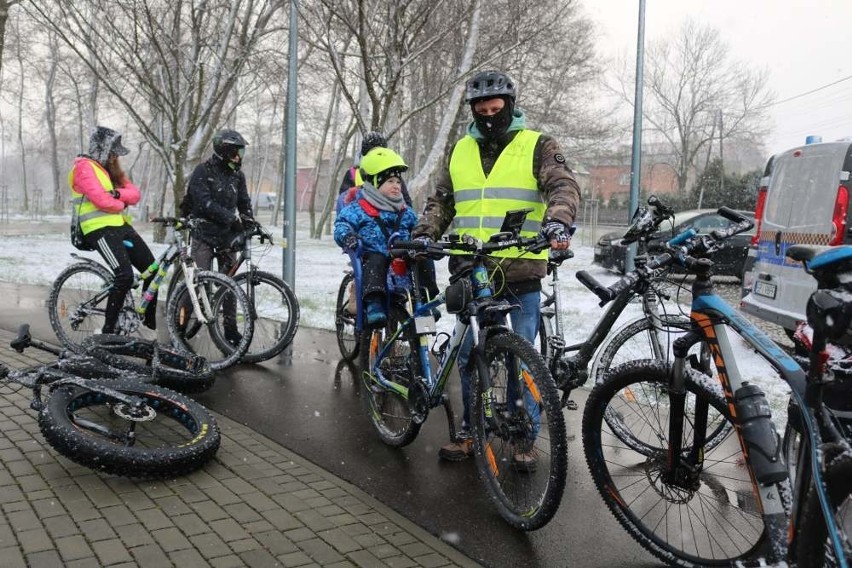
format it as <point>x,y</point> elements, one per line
<point>134,413</point>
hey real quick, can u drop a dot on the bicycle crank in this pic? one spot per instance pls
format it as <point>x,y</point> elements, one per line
<point>418,402</point>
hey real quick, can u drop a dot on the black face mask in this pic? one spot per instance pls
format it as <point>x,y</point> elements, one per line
<point>496,125</point>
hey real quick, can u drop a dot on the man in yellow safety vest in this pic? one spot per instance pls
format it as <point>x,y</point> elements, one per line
<point>498,166</point>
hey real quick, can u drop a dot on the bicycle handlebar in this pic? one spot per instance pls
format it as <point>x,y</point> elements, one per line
<point>689,249</point>
<point>498,241</point>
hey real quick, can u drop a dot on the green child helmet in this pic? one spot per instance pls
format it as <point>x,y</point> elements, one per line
<point>381,163</point>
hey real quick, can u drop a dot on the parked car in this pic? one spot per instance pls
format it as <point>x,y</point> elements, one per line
<point>803,198</point>
<point>730,261</point>
<point>264,201</point>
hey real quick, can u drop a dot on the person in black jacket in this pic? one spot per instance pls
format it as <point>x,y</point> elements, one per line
<point>218,195</point>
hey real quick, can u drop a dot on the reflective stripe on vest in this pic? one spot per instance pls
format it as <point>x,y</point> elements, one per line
<point>92,218</point>
<point>482,202</point>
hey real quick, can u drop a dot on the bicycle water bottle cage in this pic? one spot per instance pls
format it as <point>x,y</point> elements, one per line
<point>459,294</point>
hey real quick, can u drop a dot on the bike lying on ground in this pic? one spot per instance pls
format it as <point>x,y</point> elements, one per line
<point>688,503</point>
<point>515,407</point>
<point>164,365</point>
<point>119,426</point>
<point>273,305</point>
<point>78,298</point>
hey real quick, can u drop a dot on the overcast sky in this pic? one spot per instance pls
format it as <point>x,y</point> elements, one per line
<point>805,46</point>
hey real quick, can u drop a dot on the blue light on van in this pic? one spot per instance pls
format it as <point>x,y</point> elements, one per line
<point>813,139</point>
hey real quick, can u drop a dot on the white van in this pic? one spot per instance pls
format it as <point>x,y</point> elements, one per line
<point>803,198</point>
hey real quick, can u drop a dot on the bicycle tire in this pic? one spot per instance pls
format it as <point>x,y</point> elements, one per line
<point>70,318</point>
<point>176,436</point>
<point>137,355</point>
<point>634,342</point>
<point>651,509</point>
<point>526,495</point>
<point>348,337</point>
<point>276,311</point>
<point>812,546</point>
<point>389,411</point>
<point>209,341</point>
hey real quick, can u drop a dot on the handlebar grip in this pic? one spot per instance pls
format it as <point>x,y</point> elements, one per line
<point>731,215</point>
<point>592,284</point>
<point>409,245</point>
<point>661,260</point>
<point>682,238</point>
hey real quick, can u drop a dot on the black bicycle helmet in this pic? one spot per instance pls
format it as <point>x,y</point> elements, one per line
<point>490,84</point>
<point>227,142</point>
<point>372,140</point>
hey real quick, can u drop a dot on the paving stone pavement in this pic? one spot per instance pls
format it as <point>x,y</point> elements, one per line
<point>257,504</point>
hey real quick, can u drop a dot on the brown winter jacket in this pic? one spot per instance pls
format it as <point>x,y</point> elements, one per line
<point>559,190</point>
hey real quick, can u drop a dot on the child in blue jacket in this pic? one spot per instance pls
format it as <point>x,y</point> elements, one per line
<point>377,213</point>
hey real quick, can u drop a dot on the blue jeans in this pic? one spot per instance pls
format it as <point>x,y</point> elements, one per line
<point>525,317</point>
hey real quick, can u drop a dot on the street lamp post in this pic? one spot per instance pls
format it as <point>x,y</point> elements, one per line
<point>636,159</point>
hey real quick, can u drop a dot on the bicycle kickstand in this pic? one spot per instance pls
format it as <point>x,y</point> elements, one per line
<point>451,418</point>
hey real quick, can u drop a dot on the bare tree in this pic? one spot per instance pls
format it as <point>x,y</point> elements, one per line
<point>172,66</point>
<point>5,6</point>
<point>690,79</point>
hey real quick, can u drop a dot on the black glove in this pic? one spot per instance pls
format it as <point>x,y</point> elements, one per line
<point>350,242</point>
<point>555,230</point>
<point>236,224</point>
<point>248,222</point>
<point>427,242</point>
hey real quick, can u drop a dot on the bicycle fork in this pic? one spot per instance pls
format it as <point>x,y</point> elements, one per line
<point>758,439</point>
<point>189,271</point>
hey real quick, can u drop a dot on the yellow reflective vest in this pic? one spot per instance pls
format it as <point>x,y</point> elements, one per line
<point>92,218</point>
<point>481,202</point>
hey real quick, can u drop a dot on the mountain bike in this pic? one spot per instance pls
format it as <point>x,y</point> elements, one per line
<point>515,405</point>
<point>649,336</point>
<point>78,298</point>
<point>274,308</point>
<point>689,504</point>
<point>119,426</point>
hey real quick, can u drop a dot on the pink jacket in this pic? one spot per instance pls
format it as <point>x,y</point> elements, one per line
<point>87,183</point>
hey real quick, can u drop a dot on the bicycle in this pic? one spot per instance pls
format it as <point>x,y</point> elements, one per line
<point>274,308</point>
<point>647,337</point>
<point>515,408</point>
<point>79,294</point>
<point>118,426</point>
<point>687,503</point>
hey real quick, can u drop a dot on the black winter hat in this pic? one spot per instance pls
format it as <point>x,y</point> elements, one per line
<point>104,141</point>
<point>382,177</point>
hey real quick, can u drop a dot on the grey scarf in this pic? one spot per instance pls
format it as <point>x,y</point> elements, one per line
<point>381,202</point>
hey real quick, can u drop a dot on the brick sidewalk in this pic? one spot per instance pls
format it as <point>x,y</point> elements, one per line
<point>256,504</point>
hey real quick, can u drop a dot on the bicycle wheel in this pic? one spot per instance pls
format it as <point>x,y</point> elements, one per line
<point>77,303</point>
<point>519,432</point>
<point>276,312</point>
<point>226,335</point>
<point>348,339</point>
<point>167,435</point>
<point>164,365</point>
<point>641,340</point>
<point>713,518</point>
<point>813,548</point>
<point>390,411</point>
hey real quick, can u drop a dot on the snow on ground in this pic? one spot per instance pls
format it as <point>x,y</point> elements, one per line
<point>37,258</point>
